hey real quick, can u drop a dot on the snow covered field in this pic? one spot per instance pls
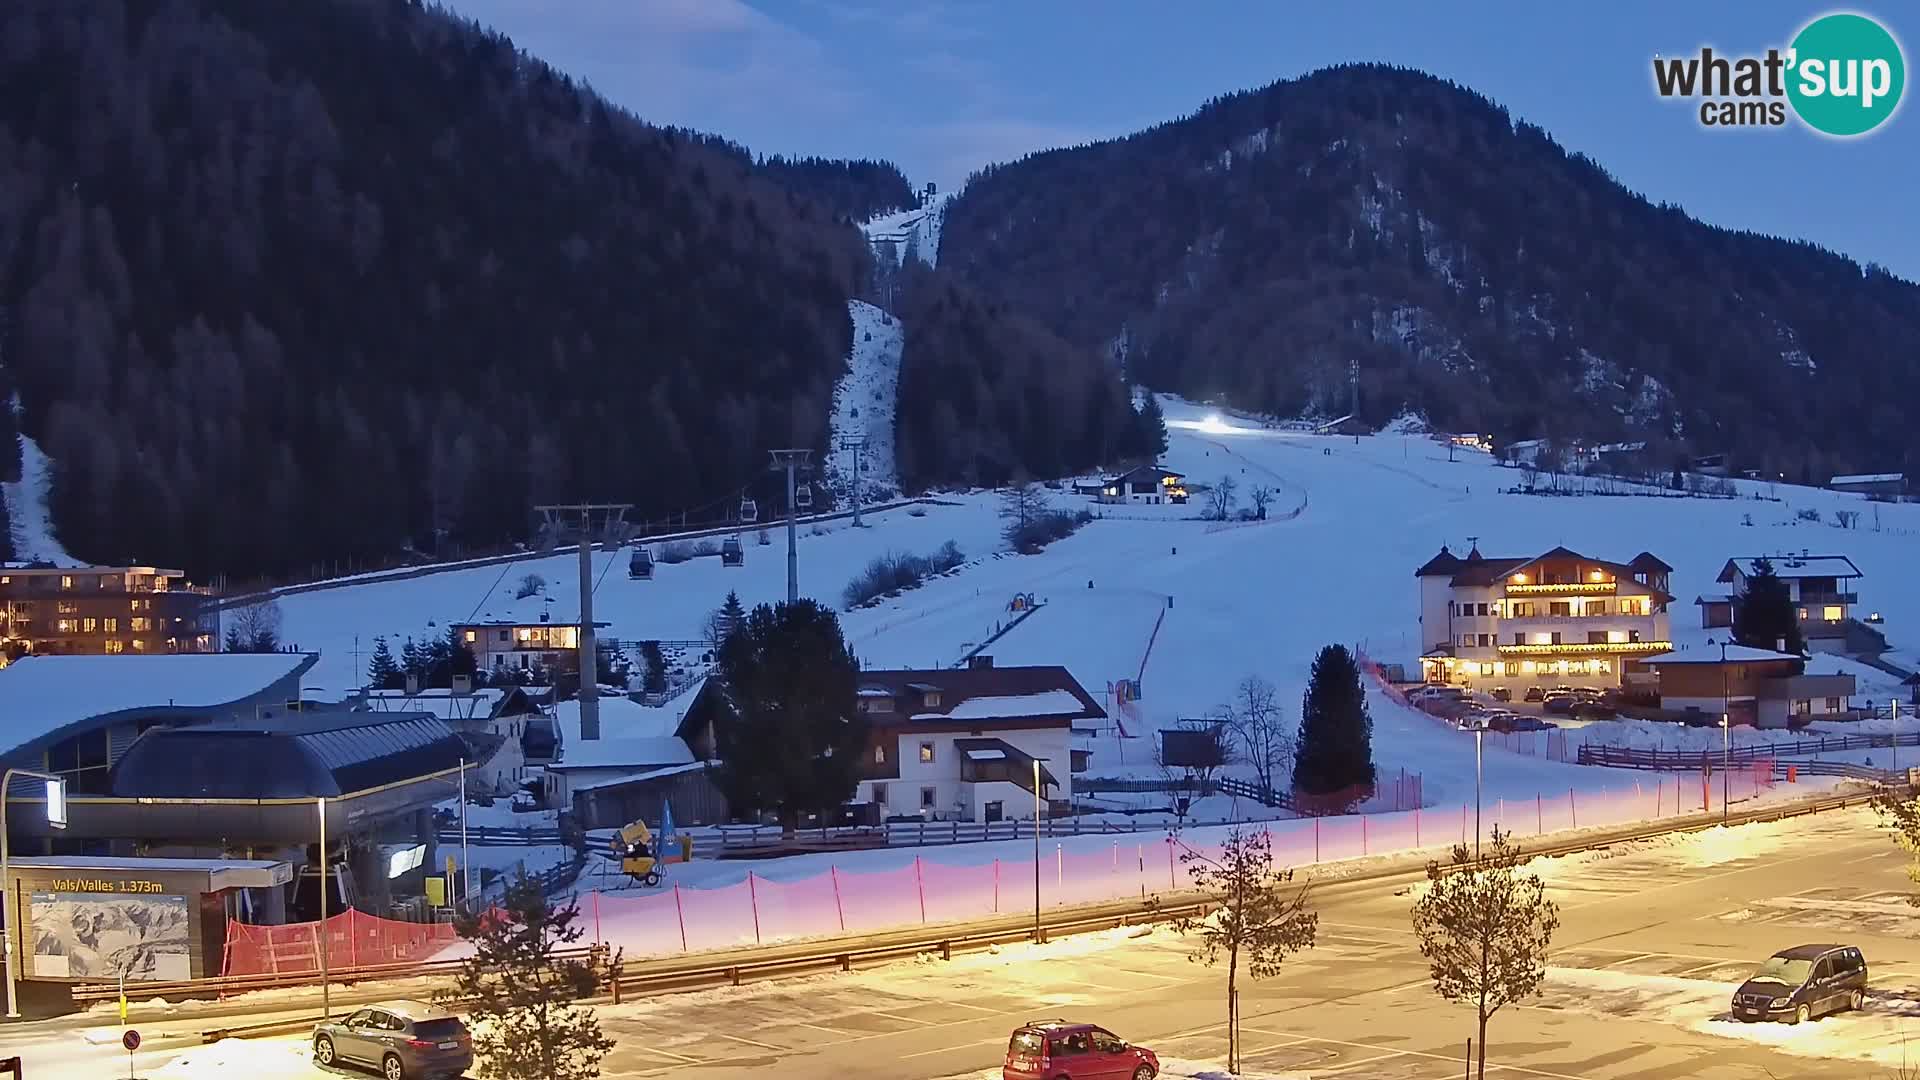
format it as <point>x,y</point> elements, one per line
<point>1227,602</point>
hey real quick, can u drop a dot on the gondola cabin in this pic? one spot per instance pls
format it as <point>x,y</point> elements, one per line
<point>731,553</point>
<point>749,511</point>
<point>640,564</point>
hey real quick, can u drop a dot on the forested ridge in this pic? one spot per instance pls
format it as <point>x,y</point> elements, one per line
<point>292,283</point>
<point>1473,268</point>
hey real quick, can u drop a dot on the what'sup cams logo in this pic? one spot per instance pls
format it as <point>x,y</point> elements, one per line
<point>1842,76</point>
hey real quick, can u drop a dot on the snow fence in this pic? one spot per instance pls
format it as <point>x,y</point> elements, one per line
<point>351,939</point>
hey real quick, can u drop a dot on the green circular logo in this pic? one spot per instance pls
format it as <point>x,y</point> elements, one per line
<point>1846,74</point>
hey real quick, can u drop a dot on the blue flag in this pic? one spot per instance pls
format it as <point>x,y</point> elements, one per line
<point>666,828</point>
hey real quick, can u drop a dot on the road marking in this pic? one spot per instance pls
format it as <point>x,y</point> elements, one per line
<point>950,1049</point>
<point>821,1027</point>
<point>1692,881</point>
<point>1627,959</point>
<point>1405,1053</point>
<point>750,1042</point>
<point>1330,1070</point>
<point>682,1058</point>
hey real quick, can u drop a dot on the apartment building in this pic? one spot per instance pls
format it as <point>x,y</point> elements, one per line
<point>103,610</point>
<point>1823,589</point>
<point>1556,617</point>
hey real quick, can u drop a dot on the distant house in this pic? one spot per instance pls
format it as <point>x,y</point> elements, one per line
<point>1146,484</point>
<point>510,645</point>
<point>1090,486</point>
<point>962,744</point>
<point>1821,587</point>
<point>493,718</point>
<point>100,610</point>
<point>1871,483</point>
<point>1759,687</point>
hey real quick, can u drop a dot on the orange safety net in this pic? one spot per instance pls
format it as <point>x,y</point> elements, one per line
<point>351,938</point>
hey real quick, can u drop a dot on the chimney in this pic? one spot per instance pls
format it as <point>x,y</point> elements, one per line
<point>1779,644</point>
<point>463,684</point>
<point>413,683</point>
<point>979,661</point>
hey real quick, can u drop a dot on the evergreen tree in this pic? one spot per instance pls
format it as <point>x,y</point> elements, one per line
<point>232,641</point>
<point>412,661</point>
<point>1153,428</point>
<point>1335,756</point>
<point>732,614</point>
<point>654,681</point>
<point>520,993</point>
<point>383,673</point>
<point>790,740</point>
<point>1763,613</point>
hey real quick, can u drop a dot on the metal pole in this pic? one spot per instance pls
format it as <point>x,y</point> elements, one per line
<point>326,995</point>
<point>1036,850</point>
<point>1726,764</point>
<point>793,556</point>
<point>589,657</point>
<point>466,864</point>
<point>1477,734</point>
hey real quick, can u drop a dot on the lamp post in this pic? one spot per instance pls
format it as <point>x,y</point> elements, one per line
<point>1036,851</point>
<point>56,817</point>
<point>1726,732</point>
<point>326,995</point>
<point>1479,731</point>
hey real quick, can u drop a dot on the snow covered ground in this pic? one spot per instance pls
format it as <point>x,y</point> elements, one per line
<point>913,233</point>
<point>1215,604</point>
<point>33,538</point>
<point>863,403</point>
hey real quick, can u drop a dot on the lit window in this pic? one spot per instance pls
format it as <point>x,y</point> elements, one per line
<point>1519,579</point>
<point>87,625</point>
<point>1617,636</point>
<point>879,755</point>
<point>471,637</point>
<point>1486,669</point>
<point>159,584</point>
<point>64,626</point>
<point>1603,666</point>
<point>926,753</point>
<point>66,607</point>
<point>139,645</point>
<point>139,623</point>
<point>1833,613</point>
<point>526,634</point>
<point>112,625</point>
<point>66,581</point>
<point>1803,614</point>
<point>1598,576</point>
<point>115,645</point>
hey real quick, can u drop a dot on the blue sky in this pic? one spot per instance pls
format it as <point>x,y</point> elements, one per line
<point>942,87</point>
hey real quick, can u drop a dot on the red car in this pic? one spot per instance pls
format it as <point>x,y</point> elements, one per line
<point>1062,1050</point>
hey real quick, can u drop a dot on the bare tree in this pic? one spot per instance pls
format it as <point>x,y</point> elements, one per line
<point>1260,495</point>
<point>1484,929</point>
<point>1259,727</point>
<point>1020,504</point>
<point>1220,500</point>
<point>254,628</point>
<point>530,585</point>
<point>1900,815</point>
<point>1258,919</point>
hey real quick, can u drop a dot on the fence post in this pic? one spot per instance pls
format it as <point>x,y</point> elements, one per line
<point>1416,827</point>
<point>1170,884</point>
<point>996,891</point>
<point>753,901</point>
<point>1059,871</point>
<point>1573,808</point>
<point>1539,816</point>
<point>596,916</point>
<point>681,913</point>
<point>1316,838</point>
<point>920,886</point>
<point>1363,834</point>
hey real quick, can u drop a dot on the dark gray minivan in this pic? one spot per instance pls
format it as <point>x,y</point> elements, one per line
<point>1803,982</point>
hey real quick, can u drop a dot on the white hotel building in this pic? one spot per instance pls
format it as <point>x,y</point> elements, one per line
<point>1548,619</point>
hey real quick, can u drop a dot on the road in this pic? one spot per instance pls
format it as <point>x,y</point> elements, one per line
<point>1653,937</point>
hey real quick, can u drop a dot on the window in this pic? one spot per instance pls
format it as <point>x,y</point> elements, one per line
<point>1106,1042</point>
<point>1617,637</point>
<point>139,645</point>
<point>1633,635</point>
<point>1519,638</point>
<point>880,704</point>
<point>1483,609</point>
<point>471,637</point>
<point>995,811</point>
<point>928,796</point>
<point>1803,707</point>
<point>1560,608</point>
<point>109,581</point>
<point>880,794</point>
<point>66,581</point>
<point>879,754</point>
<point>1596,637</point>
<point>1512,669</point>
<point>926,753</point>
<point>1486,640</point>
<point>1466,641</point>
<point>110,624</point>
<point>503,636</point>
<point>140,623</point>
<point>1596,607</point>
<point>1833,613</point>
<point>1803,614</point>
<point>63,626</point>
<point>1833,704</point>
<point>115,645</point>
<point>933,699</point>
<point>88,626</point>
<point>1486,669</point>
<point>1521,609</point>
<point>66,607</point>
<point>1556,638</point>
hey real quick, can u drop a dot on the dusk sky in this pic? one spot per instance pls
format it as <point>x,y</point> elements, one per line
<point>943,87</point>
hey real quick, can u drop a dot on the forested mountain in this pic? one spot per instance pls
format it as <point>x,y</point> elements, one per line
<point>988,395</point>
<point>855,190</point>
<point>293,283</point>
<point>1472,267</point>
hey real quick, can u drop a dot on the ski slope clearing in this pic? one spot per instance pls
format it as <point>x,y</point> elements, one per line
<point>33,538</point>
<point>863,404</point>
<point>913,234</point>
<point>1202,604</point>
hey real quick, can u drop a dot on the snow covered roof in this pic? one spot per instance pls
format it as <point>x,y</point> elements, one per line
<point>622,752</point>
<point>1046,696</point>
<point>621,718</point>
<point>223,873</point>
<point>1046,703</point>
<point>42,695</point>
<point>1869,478</point>
<point>1792,566</point>
<point>480,704</point>
<point>643,775</point>
<point>986,755</point>
<point>1711,655</point>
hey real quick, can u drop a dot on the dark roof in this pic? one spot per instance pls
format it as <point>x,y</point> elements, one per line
<point>960,685</point>
<point>1647,560</point>
<point>1143,472</point>
<point>1014,755</point>
<point>1807,952</point>
<point>329,755</point>
<point>1444,563</point>
<point>1486,571</point>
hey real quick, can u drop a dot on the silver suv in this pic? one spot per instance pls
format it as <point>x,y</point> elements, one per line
<point>403,1039</point>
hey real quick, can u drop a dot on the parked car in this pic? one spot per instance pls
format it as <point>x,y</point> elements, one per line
<point>1498,719</point>
<point>1534,694</point>
<point>1593,709</point>
<point>1501,693</point>
<point>403,1039</point>
<point>1059,1049</point>
<point>1803,982</point>
<point>1531,723</point>
<point>1558,701</point>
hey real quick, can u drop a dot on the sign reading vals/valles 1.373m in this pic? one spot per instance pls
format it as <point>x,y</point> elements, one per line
<point>1842,75</point>
<point>96,885</point>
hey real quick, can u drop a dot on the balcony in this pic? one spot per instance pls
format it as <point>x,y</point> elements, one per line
<point>1829,598</point>
<point>1564,588</point>
<point>1574,648</point>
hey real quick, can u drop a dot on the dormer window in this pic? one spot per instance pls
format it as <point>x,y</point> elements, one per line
<point>933,699</point>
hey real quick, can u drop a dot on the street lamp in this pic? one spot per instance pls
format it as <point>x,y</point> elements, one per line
<point>1726,732</point>
<point>326,995</point>
<point>56,817</point>
<point>1036,851</point>
<point>1478,725</point>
